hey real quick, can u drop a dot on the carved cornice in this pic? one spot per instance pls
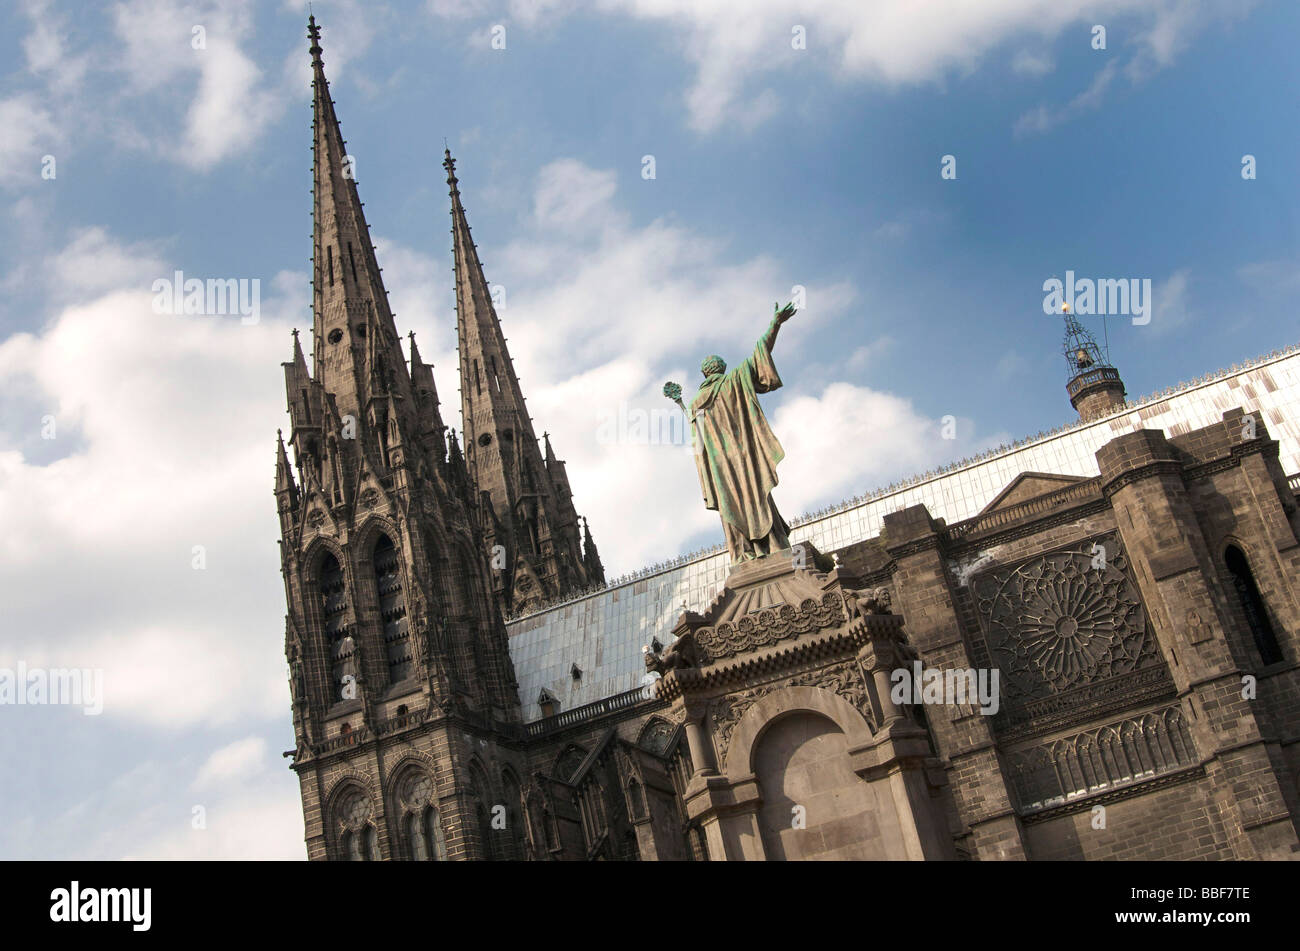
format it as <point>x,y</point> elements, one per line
<point>1086,803</point>
<point>841,642</point>
<point>929,542</point>
<point>1149,471</point>
<point>1000,536</point>
<point>769,626</point>
<point>1090,702</point>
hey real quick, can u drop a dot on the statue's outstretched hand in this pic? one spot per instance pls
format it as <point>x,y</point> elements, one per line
<point>785,313</point>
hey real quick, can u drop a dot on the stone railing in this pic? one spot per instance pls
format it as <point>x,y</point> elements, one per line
<point>1102,759</point>
<point>590,711</point>
<point>1014,513</point>
<point>1089,377</point>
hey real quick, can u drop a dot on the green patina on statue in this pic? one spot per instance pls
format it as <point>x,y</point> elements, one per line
<point>736,451</point>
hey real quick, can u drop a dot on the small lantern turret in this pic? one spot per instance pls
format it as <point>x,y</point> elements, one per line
<point>1094,385</point>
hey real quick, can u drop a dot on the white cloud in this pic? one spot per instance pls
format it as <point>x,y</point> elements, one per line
<point>46,48</point>
<point>893,42</point>
<point>1170,302</point>
<point>93,263</point>
<point>257,823</point>
<point>178,79</point>
<point>1165,30</point>
<point>157,456</point>
<point>907,224</point>
<point>1011,364</point>
<point>570,195</point>
<point>233,764</point>
<point>1032,63</point>
<point>29,134</point>
<point>863,356</point>
<point>168,44</point>
<point>875,438</point>
<point>1042,118</point>
<point>1274,278</point>
<point>243,803</point>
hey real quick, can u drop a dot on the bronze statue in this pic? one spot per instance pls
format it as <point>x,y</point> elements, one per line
<point>736,452</point>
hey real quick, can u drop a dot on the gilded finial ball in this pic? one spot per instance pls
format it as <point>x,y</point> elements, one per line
<point>673,390</point>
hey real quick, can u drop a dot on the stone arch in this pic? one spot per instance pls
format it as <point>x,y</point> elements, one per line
<point>469,592</point>
<point>313,556</point>
<point>657,735</point>
<point>333,595</point>
<point>362,541</point>
<point>418,819</point>
<point>481,799</point>
<point>513,798</point>
<point>419,760</point>
<point>438,559</point>
<point>781,703</point>
<point>1250,599</point>
<point>541,831</point>
<point>636,801</point>
<point>478,776</point>
<point>315,643</point>
<point>796,748</point>
<point>353,834</point>
<point>567,761</point>
<point>392,582</point>
<point>353,778</point>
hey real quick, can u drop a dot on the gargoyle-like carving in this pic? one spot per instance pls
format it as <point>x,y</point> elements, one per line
<point>874,601</point>
<point>681,653</point>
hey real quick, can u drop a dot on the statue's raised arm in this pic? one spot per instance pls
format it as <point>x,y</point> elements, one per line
<point>779,316</point>
<point>736,452</point>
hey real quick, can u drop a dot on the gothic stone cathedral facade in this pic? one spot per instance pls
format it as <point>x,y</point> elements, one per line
<point>1142,613</point>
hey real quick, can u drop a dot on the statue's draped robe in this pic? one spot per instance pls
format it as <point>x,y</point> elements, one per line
<point>736,452</point>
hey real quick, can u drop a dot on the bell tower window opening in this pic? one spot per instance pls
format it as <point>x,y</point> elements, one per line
<point>1252,605</point>
<point>392,610</point>
<point>334,605</point>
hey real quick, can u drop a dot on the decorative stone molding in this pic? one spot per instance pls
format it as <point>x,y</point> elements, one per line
<point>767,627</point>
<point>1102,760</point>
<point>1090,702</point>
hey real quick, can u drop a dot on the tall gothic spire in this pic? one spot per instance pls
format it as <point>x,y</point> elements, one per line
<point>349,302</point>
<point>492,403</point>
<point>532,515</point>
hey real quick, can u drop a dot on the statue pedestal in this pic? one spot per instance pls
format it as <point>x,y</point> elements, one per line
<point>788,577</point>
<point>790,666</point>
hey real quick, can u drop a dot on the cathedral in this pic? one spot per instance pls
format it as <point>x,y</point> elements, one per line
<point>1080,646</point>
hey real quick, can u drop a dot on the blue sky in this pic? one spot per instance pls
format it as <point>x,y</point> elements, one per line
<point>774,167</point>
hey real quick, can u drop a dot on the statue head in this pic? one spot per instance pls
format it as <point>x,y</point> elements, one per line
<point>713,365</point>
